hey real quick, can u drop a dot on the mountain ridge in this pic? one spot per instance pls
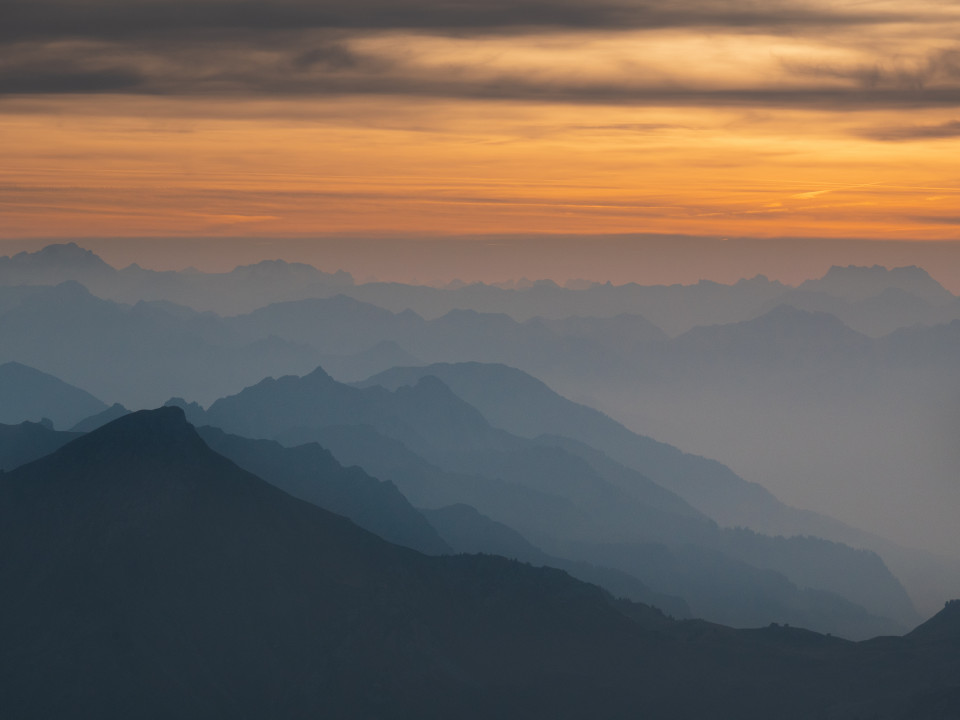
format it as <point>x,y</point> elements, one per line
<point>162,577</point>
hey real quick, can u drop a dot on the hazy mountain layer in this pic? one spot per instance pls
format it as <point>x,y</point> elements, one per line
<point>138,355</point>
<point>440,450</point>
<point>310,472</point>
<point>515,401</point>
<point>861,428</point>
<point>28,394</point>
<point>241,290</point>
<point>873,300</point>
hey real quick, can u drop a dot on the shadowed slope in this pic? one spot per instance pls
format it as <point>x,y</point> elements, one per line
<point>311,473</point>
<point>23,443</point>
<point>146,574</point>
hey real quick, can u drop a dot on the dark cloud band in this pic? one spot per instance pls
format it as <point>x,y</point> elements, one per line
<point>301,48</point>
<point>46,19</point>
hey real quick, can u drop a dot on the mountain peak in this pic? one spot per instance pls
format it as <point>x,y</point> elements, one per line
<point>162,433</point>
<point>64,252</point>
<point>166,421</point>
<point>64,258</point>
<point>319,375</point>
<point>945,625</point>
<point>856,282</point>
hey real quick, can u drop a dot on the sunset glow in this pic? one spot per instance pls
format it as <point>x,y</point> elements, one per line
<point>795,119</point>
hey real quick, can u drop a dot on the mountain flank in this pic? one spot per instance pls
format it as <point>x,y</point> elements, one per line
<point>144,573</point>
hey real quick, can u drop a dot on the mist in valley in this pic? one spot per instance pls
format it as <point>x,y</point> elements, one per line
<point>747,455</point>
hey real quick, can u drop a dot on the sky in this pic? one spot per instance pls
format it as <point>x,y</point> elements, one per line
<point>398,128</point>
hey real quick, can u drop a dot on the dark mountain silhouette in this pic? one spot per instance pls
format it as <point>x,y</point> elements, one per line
<point>28,441</point>
<point>307,472</point>
<point>170,580</point>
<point>144,573</point>
<point>28,394</point>
<point>942,627</point>
<point>311,473</point>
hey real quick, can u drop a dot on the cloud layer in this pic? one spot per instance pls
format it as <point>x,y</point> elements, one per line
<point>698,52</point>
<point>297,117</point>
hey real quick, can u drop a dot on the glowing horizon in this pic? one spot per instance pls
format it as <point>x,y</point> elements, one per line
<point>800,119</point>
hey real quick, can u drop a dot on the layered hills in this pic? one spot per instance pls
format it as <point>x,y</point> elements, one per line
<point>803,391</point>
<point>144,573</point>
<point>574,503</point>
<point>868,298</point>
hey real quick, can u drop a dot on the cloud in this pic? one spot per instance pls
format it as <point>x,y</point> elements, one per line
<point>321,48</point>
<point>941,66</point>
<point>110,19</point>
<point>913,132</point>
<point>305,66</point>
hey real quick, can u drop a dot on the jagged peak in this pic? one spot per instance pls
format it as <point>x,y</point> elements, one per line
<point>319,375</point>
<point>56,254</point>
<point>163,432</point>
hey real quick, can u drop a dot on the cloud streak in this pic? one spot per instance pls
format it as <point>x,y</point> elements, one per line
<point>111,19</point>
<point>315,65</point>
<point>614,51</point>
<point>941,131</point>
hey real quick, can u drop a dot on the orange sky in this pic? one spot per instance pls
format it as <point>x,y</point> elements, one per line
<point>813,120</point>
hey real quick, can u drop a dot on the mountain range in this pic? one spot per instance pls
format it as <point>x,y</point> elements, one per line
<point>585,508</point>
<point>145,573</point>
<point>791,393</point>
<point>874,300</point>
<point>439,450</point>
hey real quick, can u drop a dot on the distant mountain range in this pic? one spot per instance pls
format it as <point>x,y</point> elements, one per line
<point>559,486</point>
<point>828,394</point>
<point>514,401</point>
<point>145,573</point>
<point>872,300</point>
<point>241,290</point>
